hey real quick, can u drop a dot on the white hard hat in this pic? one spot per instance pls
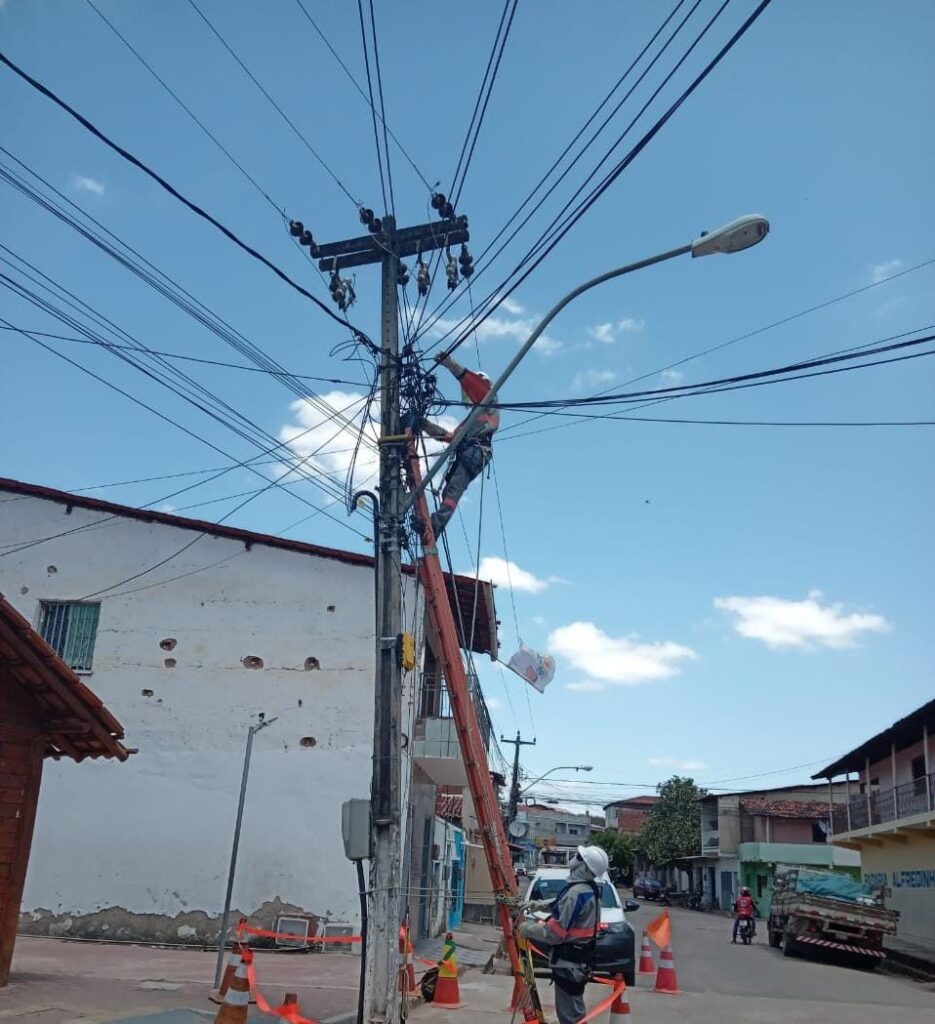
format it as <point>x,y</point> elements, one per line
<point>595,859</point>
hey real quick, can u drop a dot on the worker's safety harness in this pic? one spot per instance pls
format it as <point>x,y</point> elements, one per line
<point>582,954</point>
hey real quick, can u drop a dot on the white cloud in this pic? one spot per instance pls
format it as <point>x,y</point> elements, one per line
<point>677,764</point>
<point>514,326</point>
<point>493,703</point>
<point>881,271</point>
<point>630,323</point>
<point>589,380</point>
<point>804,625</point>
<point>672,376</point>
<point>586,686</point>
<point>511,306</point>
<point>538,620</point>
<point>603,333</point>
<point>504,573</point>
<point>619,661</point>
<point>547,345</point>
<point>325,436</point>
<point>84,184</point>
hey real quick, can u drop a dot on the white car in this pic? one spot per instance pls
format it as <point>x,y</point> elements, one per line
<point>615,939</point>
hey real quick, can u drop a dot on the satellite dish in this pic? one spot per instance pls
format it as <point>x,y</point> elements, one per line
<point>518,828</point>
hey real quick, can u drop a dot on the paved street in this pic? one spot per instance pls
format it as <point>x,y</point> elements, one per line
<point>56,982</point>
<point>62,982</point>
<point>726,984</point>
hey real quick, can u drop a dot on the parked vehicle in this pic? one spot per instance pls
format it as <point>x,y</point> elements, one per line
<point>813,911</point>
<point>745,931</point>
<point>693,901</point>
<point>557,856</point>
<point>647,888</point>
<point>615,951</point>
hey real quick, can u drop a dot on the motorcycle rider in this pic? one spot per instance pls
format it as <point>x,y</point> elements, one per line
<point>744,910</point>
<point>571,931</point>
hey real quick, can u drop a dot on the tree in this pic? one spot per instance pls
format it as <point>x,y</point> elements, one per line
<point>621,849</point>
<point>672,830</point>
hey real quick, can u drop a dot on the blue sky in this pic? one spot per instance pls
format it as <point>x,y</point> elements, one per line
<point>722,600</point>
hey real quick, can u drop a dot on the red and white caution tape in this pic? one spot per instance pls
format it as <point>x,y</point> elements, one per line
<point>604,1004</point>
<point>828,944</point>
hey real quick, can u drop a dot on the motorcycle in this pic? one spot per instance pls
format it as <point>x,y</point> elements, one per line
<point>694,900</point>
<point>746,930</point>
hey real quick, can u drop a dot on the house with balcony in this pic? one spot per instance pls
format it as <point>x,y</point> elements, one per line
<point>447,872</point>
<point>745,835</point>
<point>887,812</point>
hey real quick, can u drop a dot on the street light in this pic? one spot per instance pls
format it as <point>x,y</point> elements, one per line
<point>559,768</point>
<point>739,234</point>
<point>225,917</point>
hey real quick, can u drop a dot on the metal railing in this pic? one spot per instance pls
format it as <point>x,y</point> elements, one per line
<point>435,703</point>
<point>885,805</point>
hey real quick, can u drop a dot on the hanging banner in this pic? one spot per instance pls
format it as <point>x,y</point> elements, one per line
<point>537,669</point>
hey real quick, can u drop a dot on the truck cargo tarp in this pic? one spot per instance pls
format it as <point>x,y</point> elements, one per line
<point>835,887</point>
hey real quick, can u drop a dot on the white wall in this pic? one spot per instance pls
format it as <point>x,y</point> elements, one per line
<point>152,836</point>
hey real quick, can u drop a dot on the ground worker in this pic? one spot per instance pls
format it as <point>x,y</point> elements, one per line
<point>571,931</point>
<point>744,910</point>
<point>474,450</point>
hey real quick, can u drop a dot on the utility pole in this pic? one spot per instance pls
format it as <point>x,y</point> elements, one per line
<point>514,788</point>
<point>385,245</point>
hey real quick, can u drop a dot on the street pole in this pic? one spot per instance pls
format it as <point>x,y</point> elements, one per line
<point>225,917</point>
<point>386,245</point>
<point>514,787</point>
<point>381,991</point>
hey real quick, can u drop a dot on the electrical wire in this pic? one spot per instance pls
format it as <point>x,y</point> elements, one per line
<point>527,267</point>
<point>386,142</point>
<point>285,117</point>
<point>196,359</point>
<point>789,318</point>
<point>175,96</point>
<point>473,130</point>
<point>373,109</point>
<point>161,282</point>
<point>719,385</point>
<point>156,412</point>
<point>487,263</point>
<point>191,391</point>
<point>172,191</point>
<point>558,160</point>
<point>204,533</point>
<point>363,95</point>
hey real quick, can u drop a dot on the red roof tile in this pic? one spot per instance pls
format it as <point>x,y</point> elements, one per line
<point>79,725</point>
<point>785,808</point>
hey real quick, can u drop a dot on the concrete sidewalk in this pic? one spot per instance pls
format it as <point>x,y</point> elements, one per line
<point>61,982</point>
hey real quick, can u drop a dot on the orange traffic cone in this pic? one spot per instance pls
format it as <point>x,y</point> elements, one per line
<point>237,997</point>
<point>620,1007</point>
<point>646,957</point>
<point>666,981</point>
<point>447,994</point>
<point>230,968</point>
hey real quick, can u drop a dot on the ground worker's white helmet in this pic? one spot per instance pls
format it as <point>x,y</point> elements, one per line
<point>595,859</point>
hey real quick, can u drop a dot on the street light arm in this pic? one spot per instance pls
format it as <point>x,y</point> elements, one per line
<point>558,768</point>
<point>478,409</point>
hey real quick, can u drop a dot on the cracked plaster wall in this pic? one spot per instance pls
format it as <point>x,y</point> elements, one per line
<point>141,849</point>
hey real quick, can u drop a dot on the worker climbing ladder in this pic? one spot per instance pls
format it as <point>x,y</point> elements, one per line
<point>493,836</point>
